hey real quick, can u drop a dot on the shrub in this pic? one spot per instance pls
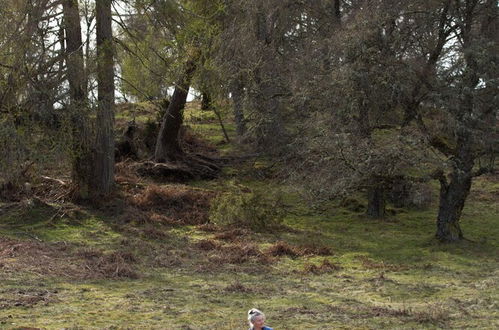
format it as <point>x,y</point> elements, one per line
<point>254,210</point>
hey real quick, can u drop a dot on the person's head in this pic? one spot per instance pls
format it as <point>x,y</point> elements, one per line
<point>256,318</point>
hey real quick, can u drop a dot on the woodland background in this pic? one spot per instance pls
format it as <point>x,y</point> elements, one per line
<point>173,163</point>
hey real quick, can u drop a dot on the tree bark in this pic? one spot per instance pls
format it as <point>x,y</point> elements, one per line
<point>376,202</point>
<point>452,198</point>
<point>104,146</point>
<point>268,89</point>
<point>168,142</point>
<point>453,194</point>
<point>205,101</point>
<point>337,11</point>
<point>81,152</point>
<point>22,55</point>
<point>237,91</point>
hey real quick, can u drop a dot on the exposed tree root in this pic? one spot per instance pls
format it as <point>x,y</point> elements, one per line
<point>186,168</point>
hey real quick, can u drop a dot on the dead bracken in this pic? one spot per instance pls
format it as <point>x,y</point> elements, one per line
<point>184,205</point>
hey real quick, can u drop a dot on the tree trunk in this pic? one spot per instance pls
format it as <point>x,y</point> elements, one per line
<point>453,194</point>
<point>376,202</point>
<point>268,89</point>
<point>337,12</point>
<point>237,91</point>
<point>104,147</point>
<point>22,55</point>
<point>205,101</point>
<point>82,158</point>
<point>168,144</point>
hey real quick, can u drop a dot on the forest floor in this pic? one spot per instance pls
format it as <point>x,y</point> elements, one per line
<point>146,261</point>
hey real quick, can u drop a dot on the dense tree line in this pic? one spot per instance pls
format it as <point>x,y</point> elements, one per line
<point>354,95</point>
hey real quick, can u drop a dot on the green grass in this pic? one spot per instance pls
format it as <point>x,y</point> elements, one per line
<point>392,273</point>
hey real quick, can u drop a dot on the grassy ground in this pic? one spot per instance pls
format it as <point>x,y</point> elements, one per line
<point>136,264</point>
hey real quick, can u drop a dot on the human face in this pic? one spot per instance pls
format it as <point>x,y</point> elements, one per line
<point>258,322</point>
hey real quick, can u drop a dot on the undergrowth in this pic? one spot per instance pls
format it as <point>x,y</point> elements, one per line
<point>255,209</point>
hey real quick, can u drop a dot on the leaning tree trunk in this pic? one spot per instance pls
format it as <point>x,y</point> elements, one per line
<point>104,146</point>
<point>168,142</point>
<point>82,158</point>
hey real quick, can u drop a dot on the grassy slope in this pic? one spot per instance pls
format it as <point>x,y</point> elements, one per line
<point>393,275</point>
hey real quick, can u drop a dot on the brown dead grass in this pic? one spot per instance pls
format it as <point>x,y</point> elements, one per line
<point>314,250</point>
<point>61,260</point>
<point>207,245</point>
<point>237,287</point>
<point>282,249</point>
<point>174,204</point>
<point>153,232</point>
<point>232,234</point>
<point>26,298</point>
<point>324,267</point>
<point>371,264</point>
<point>134,215</point>
<point>117,264</point>
<point>209,227</point>
<point>238,254</point>
<point>433,314</point>
<point>126,175</point>
<point>53,189</point>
